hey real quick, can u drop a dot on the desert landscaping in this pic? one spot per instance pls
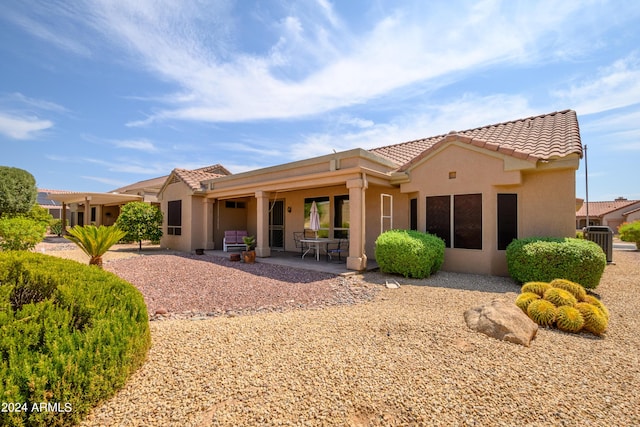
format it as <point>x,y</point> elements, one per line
<point>265,345</point>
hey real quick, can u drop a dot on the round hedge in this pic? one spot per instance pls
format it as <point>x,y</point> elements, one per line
<point>410,253</point>
<point>71,335</point>
<point>544,259</point>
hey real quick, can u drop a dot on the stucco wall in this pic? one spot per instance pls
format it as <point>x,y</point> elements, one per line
<point>615,218</point>
<point>546,201</point>
<point>177,191</point>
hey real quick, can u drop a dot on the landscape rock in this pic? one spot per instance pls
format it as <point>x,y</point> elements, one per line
<point>502,320</point>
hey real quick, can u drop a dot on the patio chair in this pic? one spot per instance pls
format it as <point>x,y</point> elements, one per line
<point>338,248</point>
<point>297,236</point>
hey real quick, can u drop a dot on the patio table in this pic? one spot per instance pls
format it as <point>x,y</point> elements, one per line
<point>316,244</point>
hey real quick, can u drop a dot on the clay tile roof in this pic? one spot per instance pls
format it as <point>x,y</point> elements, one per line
<point>534,138</point>
<point>598,209</point>
<point>194,178</point>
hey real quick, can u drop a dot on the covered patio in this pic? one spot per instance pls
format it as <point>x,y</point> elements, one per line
<point>92,208</point>
<point>295,260</point>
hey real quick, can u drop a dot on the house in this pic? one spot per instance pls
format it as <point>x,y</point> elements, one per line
<point>609,213</point>
<point>104,208</point>
<point>53,207</point>
<point>477,189</point>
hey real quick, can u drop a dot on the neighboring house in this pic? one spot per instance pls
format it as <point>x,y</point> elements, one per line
<point>104,208</point>
<point>610,213</point>
<point>53,207</point>
<point>477,189</point>
<point>632,215</point>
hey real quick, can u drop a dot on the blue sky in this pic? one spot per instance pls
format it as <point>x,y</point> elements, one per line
<point>99,94</point>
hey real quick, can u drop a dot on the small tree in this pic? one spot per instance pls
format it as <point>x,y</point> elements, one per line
<point>20,234</point>
<point>18,191</point>
<point>95,241</point>
<point>630,232</point>
<point>141,221</point>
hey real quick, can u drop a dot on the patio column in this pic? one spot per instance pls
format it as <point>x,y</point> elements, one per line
<point>87,211</point>
<point>262,224</point>
<point>357,259</point>
<point>64,219</point>
<point>208,223</point>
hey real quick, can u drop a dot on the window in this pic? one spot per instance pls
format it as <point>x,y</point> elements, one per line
<point>234,205</point>
<point>467,221</point>
<point>456,219</point>
<point>439,217</point>
<point>93,214</point>
<point>174,218</point>
<point>386,212</point>
<point>507,219</point>
<point>413,215</point>
<point>322,203</point>
<point>341,217</point>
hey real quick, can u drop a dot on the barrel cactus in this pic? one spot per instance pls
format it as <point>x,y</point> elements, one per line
<point>569,319</point>
<point>594,320</point>
<point>524,299</point>
<point>596,302</point>
<point>536,287</point>
<point>576,289</point>
<point>542,312</point>
<point>560,297</point>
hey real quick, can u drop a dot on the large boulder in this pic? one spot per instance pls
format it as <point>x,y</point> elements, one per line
<point>502,320</point>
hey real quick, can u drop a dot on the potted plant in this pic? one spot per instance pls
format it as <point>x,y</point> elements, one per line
<point>249,255</point>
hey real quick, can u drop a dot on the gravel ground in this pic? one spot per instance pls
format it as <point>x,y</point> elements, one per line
<point>404,358</point>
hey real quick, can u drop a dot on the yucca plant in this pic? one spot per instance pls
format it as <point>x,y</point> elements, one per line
<point>95,241</point>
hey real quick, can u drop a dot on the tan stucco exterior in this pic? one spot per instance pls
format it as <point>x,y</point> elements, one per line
<point>545,193</point>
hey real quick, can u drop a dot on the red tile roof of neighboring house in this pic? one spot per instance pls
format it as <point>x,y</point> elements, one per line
<point>599,209</point>
<point>534,138</point>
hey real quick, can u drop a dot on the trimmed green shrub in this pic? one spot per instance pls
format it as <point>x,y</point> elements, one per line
<point>20,234</point>
<point>569,319</point>
<point>542,312</point>
<point>524,299</point>
<point>630,232</point>
<point>536,287</point>
<point>71,336</point>
<point>410,253</point>
<point>545,258</point>
<point>576,289</point>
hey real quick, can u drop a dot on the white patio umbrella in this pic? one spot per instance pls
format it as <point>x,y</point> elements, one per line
<point>314,218</point>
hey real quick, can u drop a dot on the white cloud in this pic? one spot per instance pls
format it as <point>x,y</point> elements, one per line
<point>615,86</point>
<point>136,144</point>
<point>40,104</point>
<point>22,127</point>
<point>115,183</point>
<point>422,121</point>
<point>315,63</point>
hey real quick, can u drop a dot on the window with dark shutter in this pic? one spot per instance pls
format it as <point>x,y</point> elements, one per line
<point>174,217</point>
<point>438,215</point>
<point>467,220</point>
<point>507,219</point>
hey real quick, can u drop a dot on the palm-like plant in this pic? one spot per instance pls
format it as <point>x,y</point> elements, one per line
<point>95,241</point>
